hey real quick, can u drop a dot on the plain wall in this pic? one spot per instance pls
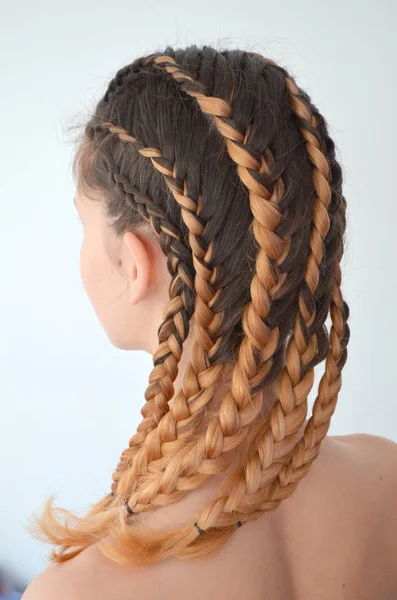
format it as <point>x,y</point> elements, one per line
<point>69,400</point>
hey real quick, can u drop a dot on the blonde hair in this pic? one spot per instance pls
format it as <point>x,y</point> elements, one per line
<point>245,198</point>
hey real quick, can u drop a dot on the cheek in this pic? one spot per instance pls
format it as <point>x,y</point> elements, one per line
<point>97,274</point>
<point>89,265</point>
<point>107,290</point>
<point>83,261</point>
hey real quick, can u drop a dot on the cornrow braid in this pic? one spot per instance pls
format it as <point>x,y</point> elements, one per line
<point>295,237</point>
<point>269,497</point>
<point>175,327</point>
<point>191,387</point>
<point>206,343</point>
<point>177,314</point>
<point>202,368</point>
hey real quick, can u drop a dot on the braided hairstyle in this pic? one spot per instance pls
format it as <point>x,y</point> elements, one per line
<point>229,164</point>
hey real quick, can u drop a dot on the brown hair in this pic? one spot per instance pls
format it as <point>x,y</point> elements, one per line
<point>230,164</point>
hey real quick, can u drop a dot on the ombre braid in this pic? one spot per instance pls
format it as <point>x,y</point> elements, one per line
<point>188,210</point>
<point>281,329</point>
<point>290,388</point>
<point>207,323</point>
<point>204,318</point>
<point>307,449</point>
<point>200,368</point>
<point>203,314</point>
<point>265,278</point>
<point>177,313</point>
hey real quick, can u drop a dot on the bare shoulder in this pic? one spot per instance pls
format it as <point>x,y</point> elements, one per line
<point>366,439</point>
<point>373,454</point>
<point>371,461</point>
<point>47,585</point>
<point>348,497</point>
<point>87,576</point>
<point>62,581</point>
<point>356,471</point>
<point>355,476</point>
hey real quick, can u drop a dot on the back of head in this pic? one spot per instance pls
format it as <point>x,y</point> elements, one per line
<point>230,165</point>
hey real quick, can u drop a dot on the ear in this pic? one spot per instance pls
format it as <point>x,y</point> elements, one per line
<point>139,266</point>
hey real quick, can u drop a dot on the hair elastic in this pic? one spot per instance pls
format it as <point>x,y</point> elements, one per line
<point>131,512</point>
<point>129,509</point>
<point>198,528</point>
<point>239,524</point>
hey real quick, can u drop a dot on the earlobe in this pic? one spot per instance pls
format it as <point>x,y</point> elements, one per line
<point>139,267</point>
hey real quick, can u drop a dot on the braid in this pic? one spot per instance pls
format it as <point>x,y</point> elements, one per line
<point>308,447</point>
<point>280,329</point>
<point>202,373</point>
<point>175,327</point>
<point>268,497</point>
<point>268,242</point>
<point>169,352</point>
<point>163,481</point>
<point>204,297</point>
<point>295,382</point>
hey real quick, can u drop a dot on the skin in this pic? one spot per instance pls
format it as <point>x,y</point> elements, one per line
<point>125,279</point>
<point>335,537</point>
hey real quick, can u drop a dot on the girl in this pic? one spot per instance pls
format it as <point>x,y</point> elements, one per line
<point>214,220</point>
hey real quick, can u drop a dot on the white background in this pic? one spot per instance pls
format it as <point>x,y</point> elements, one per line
<point>69,400</point>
